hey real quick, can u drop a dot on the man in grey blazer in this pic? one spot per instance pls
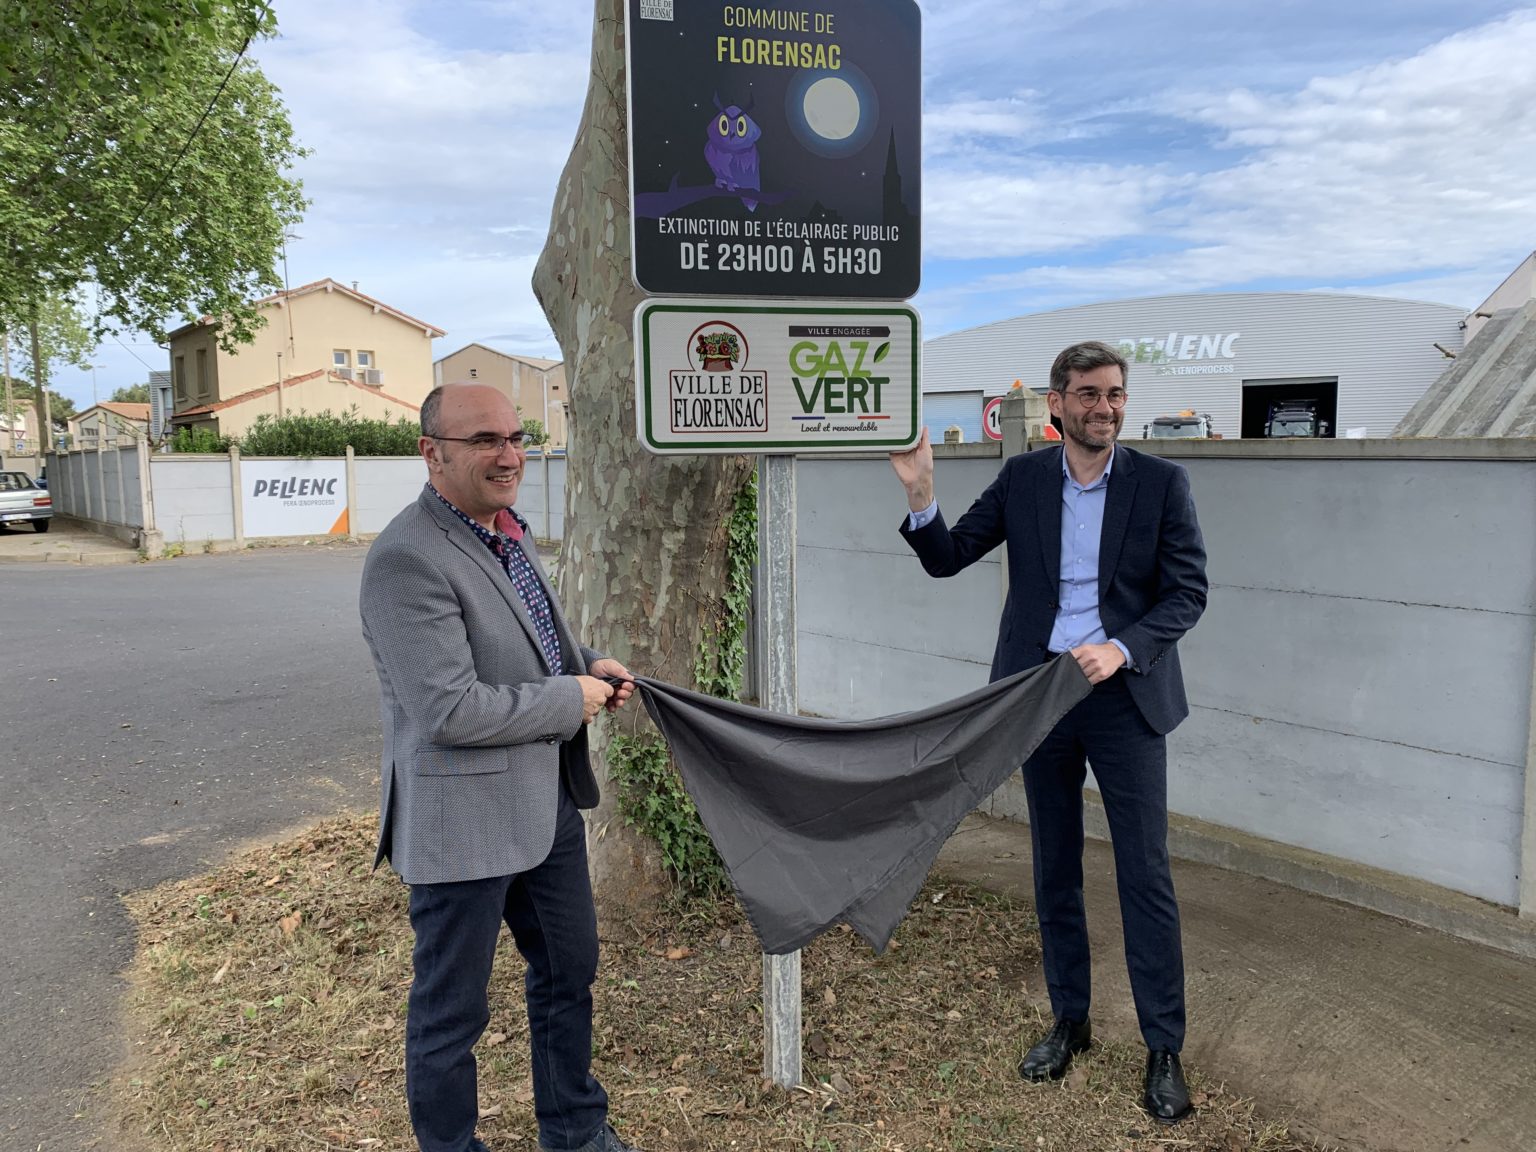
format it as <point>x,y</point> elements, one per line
<point>485,695</point>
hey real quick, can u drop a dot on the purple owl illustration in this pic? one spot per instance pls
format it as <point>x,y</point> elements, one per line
<point>731,150</point>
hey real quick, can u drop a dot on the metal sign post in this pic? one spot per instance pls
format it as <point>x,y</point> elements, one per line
<point>776,675</point>
<point>777,379</point>
<point>784,162</point>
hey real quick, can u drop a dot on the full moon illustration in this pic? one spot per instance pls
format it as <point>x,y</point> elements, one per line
<point>832,108</point>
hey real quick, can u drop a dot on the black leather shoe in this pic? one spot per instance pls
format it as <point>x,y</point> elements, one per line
<point>606,1140</point>
<point>1166,1096</point>
<point>1048,1059</point>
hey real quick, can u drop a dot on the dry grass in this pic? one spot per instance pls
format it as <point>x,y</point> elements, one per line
<point>269,1002</point>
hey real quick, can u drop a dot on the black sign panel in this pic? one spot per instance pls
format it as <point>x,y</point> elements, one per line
<point>775,148</point>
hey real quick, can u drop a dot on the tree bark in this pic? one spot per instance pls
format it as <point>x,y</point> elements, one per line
<point>9,444</point>
<point>40,397</point>
<point>644,559</point>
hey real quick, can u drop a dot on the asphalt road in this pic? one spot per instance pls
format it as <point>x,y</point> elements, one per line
<point>152,718</point>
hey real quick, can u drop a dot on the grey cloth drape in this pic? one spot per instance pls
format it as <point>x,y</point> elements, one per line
<point>822,821</point>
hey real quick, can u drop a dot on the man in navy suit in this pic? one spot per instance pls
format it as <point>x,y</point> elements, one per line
<point>1106,564</point>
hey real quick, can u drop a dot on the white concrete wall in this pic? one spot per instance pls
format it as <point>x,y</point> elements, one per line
<point>102,486</point>
<point>876,634</point>
<point>385,485</point>
<point>193,498</point>
<point>1361,682</point>
<point>546,516</point>
<point>192,495</point>
<point>66,483</point>
<point>1362,679</point>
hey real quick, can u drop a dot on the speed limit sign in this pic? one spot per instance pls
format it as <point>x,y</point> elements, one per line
<point>992,418</point>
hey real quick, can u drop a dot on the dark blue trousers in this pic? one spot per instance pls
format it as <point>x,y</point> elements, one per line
<point>1130,762</point>
<point>549,911</point>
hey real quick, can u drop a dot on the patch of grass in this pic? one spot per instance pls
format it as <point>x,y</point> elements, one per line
<point>268,1010</point>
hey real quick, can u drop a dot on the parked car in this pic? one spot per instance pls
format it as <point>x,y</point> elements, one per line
<point>23,499</point>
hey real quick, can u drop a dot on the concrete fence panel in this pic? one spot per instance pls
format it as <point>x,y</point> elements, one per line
<point>1361,684</point>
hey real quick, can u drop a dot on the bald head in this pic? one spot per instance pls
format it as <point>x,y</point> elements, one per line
<point>471,439</point>
<point>447,399</point>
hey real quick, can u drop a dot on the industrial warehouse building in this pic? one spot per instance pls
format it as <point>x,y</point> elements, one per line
<point>1360,362</point>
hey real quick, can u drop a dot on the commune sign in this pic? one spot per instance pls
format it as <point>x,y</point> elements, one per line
<point>775,147</point>
<point>753,376</point>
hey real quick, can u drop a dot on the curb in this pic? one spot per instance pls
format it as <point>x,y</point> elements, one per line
<point>91,559</point>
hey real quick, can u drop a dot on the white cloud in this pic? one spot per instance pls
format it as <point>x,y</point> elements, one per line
<point>433,166</point>
<point>1074,151</point>
<point>1404,166</point>
<point>1019,207</point>
<point>1422,170</point>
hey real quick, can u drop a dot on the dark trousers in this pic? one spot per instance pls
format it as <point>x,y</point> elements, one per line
<point>549,911</point>
<point>1130,762</point>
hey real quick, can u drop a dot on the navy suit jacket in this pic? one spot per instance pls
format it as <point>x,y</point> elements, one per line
<point>1152,584</point>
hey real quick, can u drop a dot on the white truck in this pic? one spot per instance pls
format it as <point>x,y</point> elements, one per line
<point>1187,425</point>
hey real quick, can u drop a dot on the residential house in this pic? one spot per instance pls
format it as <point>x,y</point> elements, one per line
<point>320,391</point>
<point>109,424</point>
<point>162,406</point>
<point>324,347</point>
<point>20,438</point>
<point>536,387</point>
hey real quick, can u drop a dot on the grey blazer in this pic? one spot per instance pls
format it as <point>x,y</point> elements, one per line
<point>479,731</point>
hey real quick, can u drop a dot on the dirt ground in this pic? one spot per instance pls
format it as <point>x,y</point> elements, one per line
<point>269,998</point>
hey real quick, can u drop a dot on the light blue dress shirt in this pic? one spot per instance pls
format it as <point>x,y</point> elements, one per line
<point>1082,524</point>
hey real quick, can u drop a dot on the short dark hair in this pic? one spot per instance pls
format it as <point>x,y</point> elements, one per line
<point>1085,357</point>
<point>429,412</point>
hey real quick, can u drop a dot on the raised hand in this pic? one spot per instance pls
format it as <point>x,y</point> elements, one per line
<point>914,468</point>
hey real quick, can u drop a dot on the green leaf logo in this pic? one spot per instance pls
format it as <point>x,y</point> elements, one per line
<point>882,351</point>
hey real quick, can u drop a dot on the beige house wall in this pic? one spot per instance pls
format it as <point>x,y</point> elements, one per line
<point>306,331</point>
<point>23,423</point>
<point>97,426</point>
<point>516,379</point>
<point>191,352</point>
<point>313,397</point>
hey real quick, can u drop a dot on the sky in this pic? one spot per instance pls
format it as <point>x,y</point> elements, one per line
<point>1073,151</point>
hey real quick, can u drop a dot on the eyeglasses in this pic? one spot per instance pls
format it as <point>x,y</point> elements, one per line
<point>1090,397</point>
<point>487,444</point>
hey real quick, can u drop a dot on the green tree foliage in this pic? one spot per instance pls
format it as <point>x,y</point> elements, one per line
<point>64,340</point>
<point>199,439</point>
<point>534,433</point>
<point>653,799</point>
<point>60,407</point>
<point>722,657</point>
<point>303,434</point>
<point>132,394</point>
<point>145,153</point>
